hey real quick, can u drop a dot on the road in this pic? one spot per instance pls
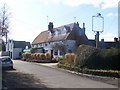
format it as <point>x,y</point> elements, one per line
<point>56,78</point>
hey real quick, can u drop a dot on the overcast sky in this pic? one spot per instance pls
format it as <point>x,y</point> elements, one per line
<point>29,17</point>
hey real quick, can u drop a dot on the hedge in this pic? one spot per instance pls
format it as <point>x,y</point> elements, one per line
<point>93,58</point>
<point>36,56</point>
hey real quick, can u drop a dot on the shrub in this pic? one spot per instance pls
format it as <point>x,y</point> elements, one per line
<point>67,56</point>
<point>39,56</point>
<point>85,55</point>
<point>70,57</point>
<point>26,55</point>
<point>91,57</point>
<point>33,56</point>
<point>42,56</point>
<point>48,56</point>
<point>55,59</point>
<point>110,58</point>
<point>23,56</point>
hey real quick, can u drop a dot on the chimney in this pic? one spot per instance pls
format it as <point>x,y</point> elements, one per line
<point>50,27</point>
<point>115,39</point>
<point>83,28</point>
<point>77,24</point>
<point>84,25</point>
<point>102,40</point>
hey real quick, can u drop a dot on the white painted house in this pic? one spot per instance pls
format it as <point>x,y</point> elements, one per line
<point>70,35</point>
<point>15,48</point>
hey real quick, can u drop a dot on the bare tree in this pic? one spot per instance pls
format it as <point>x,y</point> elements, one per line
<point>4,21</point>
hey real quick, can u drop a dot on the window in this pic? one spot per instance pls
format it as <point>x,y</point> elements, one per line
<point>35,46</point>
<point>56,33</point>
<point>55,52</point>
<point>46,44</point>
<point>59,32</point>
<point>61,53</point>
<point>46,50</point>
<point>40,44</point>
<point>69,51</point>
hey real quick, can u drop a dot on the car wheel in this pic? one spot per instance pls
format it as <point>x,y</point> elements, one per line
<point>11,67</point>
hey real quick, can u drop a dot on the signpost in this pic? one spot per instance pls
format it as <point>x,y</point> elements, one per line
<point>97,27</point>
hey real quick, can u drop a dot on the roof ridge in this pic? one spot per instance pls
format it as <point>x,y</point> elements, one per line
<point>64,25</point>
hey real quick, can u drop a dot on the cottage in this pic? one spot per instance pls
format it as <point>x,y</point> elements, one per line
<point>66,37</point>
<point>15,48</point>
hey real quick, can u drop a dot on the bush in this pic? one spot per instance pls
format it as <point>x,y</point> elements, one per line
<point>84,55</point>
<point>91,57</point>
<point>70,57</point>
<point>110,58</point>
<point>23,56</point>
<point>39,56</point>
<point>73,57</point>
<point>56,59</point>
<point>48,56</point>
<point>67,56</point>
<point>26,55</point>
<point>42,56</point>
<point>33,56</point>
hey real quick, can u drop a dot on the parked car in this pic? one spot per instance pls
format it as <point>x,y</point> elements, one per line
<point>6,62</point>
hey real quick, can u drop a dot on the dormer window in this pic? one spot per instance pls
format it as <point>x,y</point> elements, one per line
<point>56,33</point>
<point>67,28</point>
<point>63,31</point>
<point>59,32</point>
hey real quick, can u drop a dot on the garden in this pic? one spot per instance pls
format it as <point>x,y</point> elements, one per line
<point>90,60</point>
<point>86,59</point>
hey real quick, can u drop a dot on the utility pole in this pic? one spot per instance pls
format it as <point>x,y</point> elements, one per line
<point>97,30</point>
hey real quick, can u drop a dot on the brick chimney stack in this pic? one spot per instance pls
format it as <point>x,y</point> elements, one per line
<point>115,39</point>
<point>50,27</point>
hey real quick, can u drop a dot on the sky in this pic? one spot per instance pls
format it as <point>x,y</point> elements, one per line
<point>28,18</point>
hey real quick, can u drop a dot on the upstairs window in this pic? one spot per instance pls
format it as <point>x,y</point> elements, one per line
<point>46,44</point>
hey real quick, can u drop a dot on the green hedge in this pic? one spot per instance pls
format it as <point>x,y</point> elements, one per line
<point>90,57</point>
<point>93,58</point>
<point>109,73</point>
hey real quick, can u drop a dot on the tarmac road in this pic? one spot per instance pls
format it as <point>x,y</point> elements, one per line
<point>56,78</point>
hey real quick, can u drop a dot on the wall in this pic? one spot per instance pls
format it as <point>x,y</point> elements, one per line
<point>16,52</point>
<point>71,45</point>
<point>9,46</point>
<point>4,53</point>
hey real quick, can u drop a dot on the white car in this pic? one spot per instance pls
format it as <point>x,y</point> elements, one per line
<point>6,62</point>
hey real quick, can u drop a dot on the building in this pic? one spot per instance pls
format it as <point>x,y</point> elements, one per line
<point>15,48</point>
<point>69,36</point>
<point>0,44</point>
<point>105,44</point>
